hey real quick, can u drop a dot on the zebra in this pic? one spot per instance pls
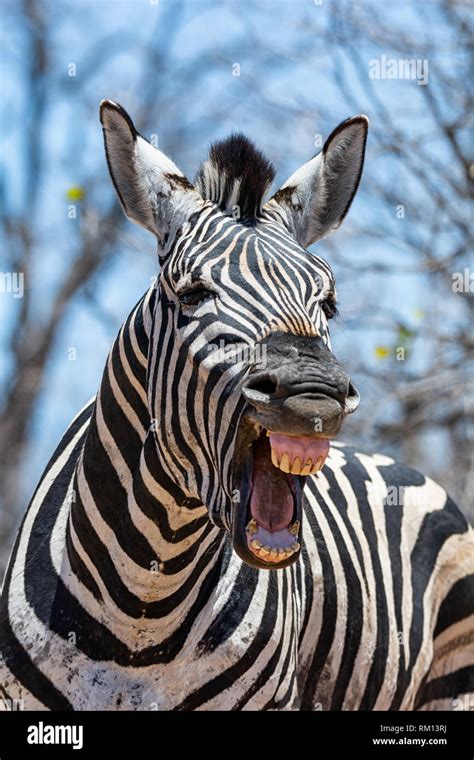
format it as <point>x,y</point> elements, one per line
<point>199,540</point>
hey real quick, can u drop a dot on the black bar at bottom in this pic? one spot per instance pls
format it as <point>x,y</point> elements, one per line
<point>417,735</point>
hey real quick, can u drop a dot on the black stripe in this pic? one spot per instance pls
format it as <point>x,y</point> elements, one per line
<point>80,570</point>
<point>269,672</point>
<point>22,667</point>
<point>450,686</point>
<point>279,704</point>
<point>126,600</point>
<point>128,390</point>
<point>337,496</point>
<point>457,605</point>
<point>233,611</point>
<point>12,651</point>
<point>358,476</point>
<point>329,618</point>
<point>434,531</point>
<point>305,577</point>
<point>109,494</point>
<point>231,675</point>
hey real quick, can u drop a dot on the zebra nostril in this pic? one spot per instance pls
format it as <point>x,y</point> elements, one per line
<point>352,398</point>
<point>263,385</point>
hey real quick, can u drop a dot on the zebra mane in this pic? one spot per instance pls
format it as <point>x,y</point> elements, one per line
<point>235,174</point>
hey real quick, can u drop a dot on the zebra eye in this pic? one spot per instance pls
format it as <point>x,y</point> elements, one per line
<point>195,296</point>
<point>329,306</point>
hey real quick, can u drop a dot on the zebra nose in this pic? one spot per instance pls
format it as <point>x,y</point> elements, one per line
<point>300,387</point>
<point>273,386</point>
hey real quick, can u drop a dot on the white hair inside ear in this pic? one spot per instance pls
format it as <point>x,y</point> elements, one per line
<point>152,190</point>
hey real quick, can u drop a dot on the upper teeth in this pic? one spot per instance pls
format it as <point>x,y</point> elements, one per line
<point>297,466</point>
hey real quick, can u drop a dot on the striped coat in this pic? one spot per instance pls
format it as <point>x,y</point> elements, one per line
<point>377,613</point>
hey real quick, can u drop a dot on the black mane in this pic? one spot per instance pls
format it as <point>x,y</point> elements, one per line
<point>236,174</point>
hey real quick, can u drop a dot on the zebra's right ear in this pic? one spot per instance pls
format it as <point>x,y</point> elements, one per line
<point>317,197</point>
<point>152,190</point>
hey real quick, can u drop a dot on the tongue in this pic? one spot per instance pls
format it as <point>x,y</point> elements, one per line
<point>271,501</point>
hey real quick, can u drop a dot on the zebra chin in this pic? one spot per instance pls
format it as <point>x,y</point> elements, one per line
<point>271,472</point>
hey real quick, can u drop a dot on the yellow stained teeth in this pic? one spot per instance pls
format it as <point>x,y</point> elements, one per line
<point>252,527</point>
<point>317,465</point>
<point>294,529</point>
<point>296,466</point>
<point>274,555</point>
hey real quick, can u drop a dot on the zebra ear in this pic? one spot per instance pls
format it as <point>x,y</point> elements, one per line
<point>318,196</point>
<point>149,185</point>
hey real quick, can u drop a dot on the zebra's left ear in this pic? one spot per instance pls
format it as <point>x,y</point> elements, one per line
<point>317,197</point>
<point>152,191</point>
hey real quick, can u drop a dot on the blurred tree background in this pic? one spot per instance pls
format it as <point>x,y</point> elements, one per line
<point>285,72</point>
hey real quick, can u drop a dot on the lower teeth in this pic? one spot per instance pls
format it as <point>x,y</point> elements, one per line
<point>275,554</point>
<point>269,552</point>
<point>252,527</point>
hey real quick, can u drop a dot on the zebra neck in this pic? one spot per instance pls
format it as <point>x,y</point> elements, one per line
<point>133,540</point>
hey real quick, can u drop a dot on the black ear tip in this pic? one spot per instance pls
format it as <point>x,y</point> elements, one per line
<point>108,112</point>
<point>361,119</point>
<point>107,105</point>
<point>361,124</point>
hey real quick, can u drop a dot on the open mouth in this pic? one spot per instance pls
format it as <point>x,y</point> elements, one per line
<point>267,522</point>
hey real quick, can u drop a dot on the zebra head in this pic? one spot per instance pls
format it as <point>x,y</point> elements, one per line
<point>243,390</point>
